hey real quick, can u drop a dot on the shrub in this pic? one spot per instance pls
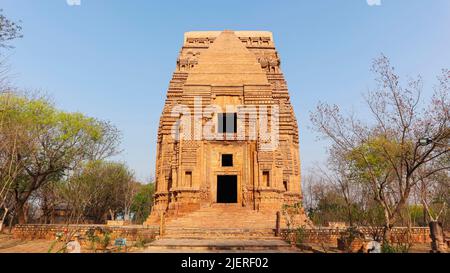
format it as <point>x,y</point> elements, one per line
<point>348,236</point>
<point>141,241</point>
<point>398,248</point>
<point>300,235</point>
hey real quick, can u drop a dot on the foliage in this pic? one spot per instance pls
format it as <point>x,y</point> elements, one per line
<point>99,237</point>
<point>105,240</point>
<point>416,214</point>
<point>48,144</point>
<point>371,158</point>
<point>97,189</point>
<point>394,248</point>
<point>142,241</point>
<point>384,156</point>
<point>300,235</point>
<point>91,235</point>
<point>295,206</point>
<point>142,203</point>
<point>330,208</point>
<point>58,238</point>
<point>348,236</point>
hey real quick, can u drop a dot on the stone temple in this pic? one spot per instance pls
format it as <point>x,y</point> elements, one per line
<point>227,148</point>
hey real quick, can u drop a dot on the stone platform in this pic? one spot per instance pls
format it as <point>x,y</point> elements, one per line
<point>222,233</point>
<point>219,245</point>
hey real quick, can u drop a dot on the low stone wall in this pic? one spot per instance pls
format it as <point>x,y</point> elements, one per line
<point>133,233</point>
<point>416,235</point>
<point>49,232</point>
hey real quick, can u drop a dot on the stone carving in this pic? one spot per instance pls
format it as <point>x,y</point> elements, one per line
<point>238,69</point>
<point>270,64</point>
<point>187,61</point>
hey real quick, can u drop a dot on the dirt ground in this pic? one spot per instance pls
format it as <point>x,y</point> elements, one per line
<point>10,245</point>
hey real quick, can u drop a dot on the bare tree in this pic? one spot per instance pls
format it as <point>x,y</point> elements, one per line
<point>108,147</point>
<point>433,192</point>
<point>130,190</point>
<point>386,153</point>
<point>11,141</point>
<point>339,175</point>
<point>9,30</point>
<point>111,186</point>
<point>313,189</point>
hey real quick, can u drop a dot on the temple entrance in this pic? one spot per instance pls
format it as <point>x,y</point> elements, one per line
<point>226,189</point>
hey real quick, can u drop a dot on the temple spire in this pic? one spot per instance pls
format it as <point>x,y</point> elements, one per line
<point>227,62</point>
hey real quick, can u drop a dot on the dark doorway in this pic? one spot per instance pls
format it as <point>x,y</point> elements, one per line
<point>226,189</point>
<point>227,160</point>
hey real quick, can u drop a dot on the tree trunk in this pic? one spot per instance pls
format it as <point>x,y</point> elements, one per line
<point>44,209</point>
<point>126,214</point>
<point>112,214</point>
<point>425,213</point>
<point>387,226</point>
<point>21,214</point>
<point>350,217</point>
<point>2,221</point>
<point>52,216</point>
<point>437,236</point>
<point>11,221</point>
<point>387,231</point>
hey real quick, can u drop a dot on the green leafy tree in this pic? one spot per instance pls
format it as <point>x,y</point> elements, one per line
<point>9,30</point>
<point>142,202</point>
<point>49,144</point>
<point>104,186</point>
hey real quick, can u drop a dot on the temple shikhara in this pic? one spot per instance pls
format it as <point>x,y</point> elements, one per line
<point>228,147</point>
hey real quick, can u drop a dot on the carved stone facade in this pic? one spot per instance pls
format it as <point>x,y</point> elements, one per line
<point>233,70</point>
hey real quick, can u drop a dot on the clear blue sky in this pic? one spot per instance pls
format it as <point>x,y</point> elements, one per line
<point>113,59</point>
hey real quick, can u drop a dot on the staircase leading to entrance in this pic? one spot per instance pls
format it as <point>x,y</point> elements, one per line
<point>221,228</point>
<point>222,221</point>
<point>225,216</point>
<point>219,245</point>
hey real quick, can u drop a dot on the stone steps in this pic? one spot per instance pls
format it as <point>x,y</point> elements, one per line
<point>220,216</point>
<point>211,245</point>
<point>223,233</point>
<point>221,228</point>
<point>224,221</point>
